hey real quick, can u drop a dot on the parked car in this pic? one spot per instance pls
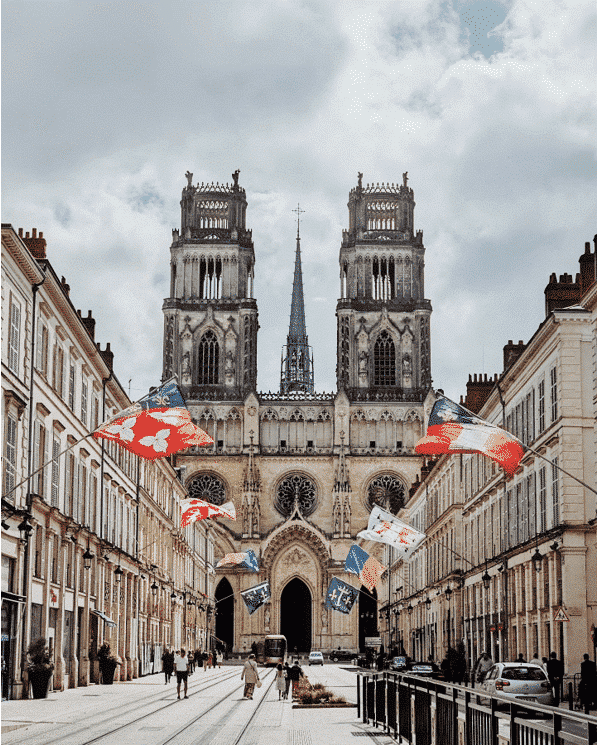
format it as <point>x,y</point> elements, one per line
<point>519,680</point>
<point>339,655</point>
<point>398,664</point>
<point>425,669</point>
<point>315,658</point>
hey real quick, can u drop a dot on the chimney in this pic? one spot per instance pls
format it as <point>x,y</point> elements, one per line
<point>588,273</point>
<point>36,244</point>
<point>107,355</point>
<point>89,324</point>
<point>512,352</point>
<point>477,391</point>
<point>65,287</point>
<point>561,294</point>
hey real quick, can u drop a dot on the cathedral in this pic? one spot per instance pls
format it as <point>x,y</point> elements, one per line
<point>303,469</point>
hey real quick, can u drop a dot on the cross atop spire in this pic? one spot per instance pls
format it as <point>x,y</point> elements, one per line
<point>299,212</point>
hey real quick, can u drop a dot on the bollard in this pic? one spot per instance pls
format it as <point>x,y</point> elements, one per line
<point>570,697</point>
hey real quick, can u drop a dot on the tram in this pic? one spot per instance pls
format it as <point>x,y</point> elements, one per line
<point>274,649</point>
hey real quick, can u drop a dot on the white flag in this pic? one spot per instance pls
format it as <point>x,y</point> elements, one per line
<point>386,528</point>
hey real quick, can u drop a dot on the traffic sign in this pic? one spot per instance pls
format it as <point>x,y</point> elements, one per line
<point>373,641</point>
<point>561,615</point>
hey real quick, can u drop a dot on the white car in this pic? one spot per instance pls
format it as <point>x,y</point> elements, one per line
<point>315,658</point>
<point>519,680</point>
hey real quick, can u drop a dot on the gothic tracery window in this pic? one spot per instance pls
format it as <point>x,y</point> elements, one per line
<point>384,361</point>
<point>208,355</point>
<point>388,492</point>
<point>299,488</point>
<point>207,487</point>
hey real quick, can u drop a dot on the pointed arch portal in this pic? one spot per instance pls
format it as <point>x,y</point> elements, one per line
<point>225,613</point>
<point>367,616</point>
<point>296,616</point>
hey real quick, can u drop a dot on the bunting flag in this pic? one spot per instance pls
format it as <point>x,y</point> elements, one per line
<point>340,596</point>
<point>454,429</point>
<point>386,528</point>
<point>197,509</point>
<point>246,560</point>
<point>256,596</point>
<point>366,567</point>
<point>156,426</point>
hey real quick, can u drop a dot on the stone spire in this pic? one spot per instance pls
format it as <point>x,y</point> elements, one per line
<point>297,364</point>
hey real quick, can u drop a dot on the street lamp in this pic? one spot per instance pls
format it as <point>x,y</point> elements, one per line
<point>409,608</point>
<point>154,588</point>
<point>25,529</point>
<point>448,591</point>
<point>537,559</point>
<point>118,574</point>
<point>87,559</point>
<point>428,601</point>
<point>486,579</point>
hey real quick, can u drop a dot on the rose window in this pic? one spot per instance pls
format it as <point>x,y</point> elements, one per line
<point>209,488</point>
<point>388,492</point>
<point>296,489</point>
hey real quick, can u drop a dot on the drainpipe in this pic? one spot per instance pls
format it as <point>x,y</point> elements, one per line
<point>105,381</point>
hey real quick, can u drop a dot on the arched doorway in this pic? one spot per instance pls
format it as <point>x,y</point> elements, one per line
<point>367,616</point>
<point>295,616</point>
<point>225,613</point>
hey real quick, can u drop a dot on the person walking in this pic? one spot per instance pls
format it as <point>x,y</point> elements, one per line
<point>250,674</point>
<point>286,678</point>
<point>555,673</point>
<point>181,663</point>
<point>168,664</point>
<point>280,681</point>
<point>219,657</point>
<point>295,674</point>
<point>587,690</point>
<point>484,664</point>
<point>204,660</point>
<point>520,658</point>
<point>198,659</point>
<point>535,660</point>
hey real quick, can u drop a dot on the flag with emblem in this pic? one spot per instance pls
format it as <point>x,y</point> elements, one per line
<point>256,596</point>
<point>340,596</point>
<point>454,429</point>
<point>246,560</point>
<point>366,567</point>
<point>387,528</point>
<point>198,509</point>
<point>156,426</point>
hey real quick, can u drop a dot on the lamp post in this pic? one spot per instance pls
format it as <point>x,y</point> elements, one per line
<point>87,558</point>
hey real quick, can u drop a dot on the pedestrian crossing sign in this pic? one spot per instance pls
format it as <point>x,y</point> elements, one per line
<point>561,615</point>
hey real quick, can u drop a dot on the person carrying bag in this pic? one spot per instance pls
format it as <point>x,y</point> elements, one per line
<point>250,674</point>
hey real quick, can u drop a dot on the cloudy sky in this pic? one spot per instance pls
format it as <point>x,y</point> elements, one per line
<point>490,107</point>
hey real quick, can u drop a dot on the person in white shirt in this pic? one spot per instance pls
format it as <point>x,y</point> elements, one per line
<point>181,665</point>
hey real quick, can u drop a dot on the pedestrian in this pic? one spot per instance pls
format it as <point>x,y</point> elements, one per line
<point>484,664</point>
<point>210,660</point>
<point>459,664</point>
<point>555,673</point>
<point>521,658</point>
<point>544,663</point>
<point>250,674</point>
<point>182,673</point>
<point>191,662</point>
<point>286,678</point>
<point>204,660</point>
<point>219,657</point>
<point>198,658</point>
<point>168,664</point>
<point>280,681</point>
<point>587,690</point>
<point>445,667</point>
<point>535,660</point>
<point>295,674</point>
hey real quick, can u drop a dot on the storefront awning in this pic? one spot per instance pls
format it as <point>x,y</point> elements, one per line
<point>104,617</point>
<point>13,597</point>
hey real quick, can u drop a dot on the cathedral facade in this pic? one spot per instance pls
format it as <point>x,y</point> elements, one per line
<point>303,469</point>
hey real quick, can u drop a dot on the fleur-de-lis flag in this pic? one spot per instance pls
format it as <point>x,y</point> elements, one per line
<point>157,425</point>
<point>256,596</point>
<point>340,596</point>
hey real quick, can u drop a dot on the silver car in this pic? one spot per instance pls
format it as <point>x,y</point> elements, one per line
<point>519,680</point>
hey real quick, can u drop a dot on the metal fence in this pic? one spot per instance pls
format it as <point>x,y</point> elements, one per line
<point>426,712</point>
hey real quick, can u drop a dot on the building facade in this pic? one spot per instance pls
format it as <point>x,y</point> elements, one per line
<point>302,468</point>
<point>507,563</point>
<point>92,549</point>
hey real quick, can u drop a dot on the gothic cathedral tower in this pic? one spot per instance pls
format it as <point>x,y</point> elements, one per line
<point>210,318</point>
<point>383,318</point>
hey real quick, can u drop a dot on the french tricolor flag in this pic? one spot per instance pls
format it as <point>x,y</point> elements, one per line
<point>454,429</point>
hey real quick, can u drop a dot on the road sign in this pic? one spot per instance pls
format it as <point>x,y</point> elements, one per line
<point>373,641</point>
<point>561,615</point>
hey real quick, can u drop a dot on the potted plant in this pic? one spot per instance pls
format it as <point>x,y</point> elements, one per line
<point>39,668</point>
<point>107,664</point>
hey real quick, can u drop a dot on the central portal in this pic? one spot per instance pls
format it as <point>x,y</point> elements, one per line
<point>295,615</point>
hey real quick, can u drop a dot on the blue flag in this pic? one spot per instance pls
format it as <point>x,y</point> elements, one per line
<point>256,596</point>
<point>366,567</point>
<point>340,596</point>
<point>244,560</point>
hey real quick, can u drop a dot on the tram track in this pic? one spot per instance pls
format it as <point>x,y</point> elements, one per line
<point>67,733</point>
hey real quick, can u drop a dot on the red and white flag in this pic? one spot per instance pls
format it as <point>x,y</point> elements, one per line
<point>386,528</point>
<point>197,509</point>
<point>454,429</point>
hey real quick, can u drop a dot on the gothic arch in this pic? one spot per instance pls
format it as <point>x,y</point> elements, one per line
<point>299,532</point>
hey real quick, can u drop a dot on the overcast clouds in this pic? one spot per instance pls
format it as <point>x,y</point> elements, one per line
<point>489,106</point>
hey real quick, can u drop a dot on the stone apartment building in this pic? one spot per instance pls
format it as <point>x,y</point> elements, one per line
<point>92,549</point>
<point>508,562</point>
